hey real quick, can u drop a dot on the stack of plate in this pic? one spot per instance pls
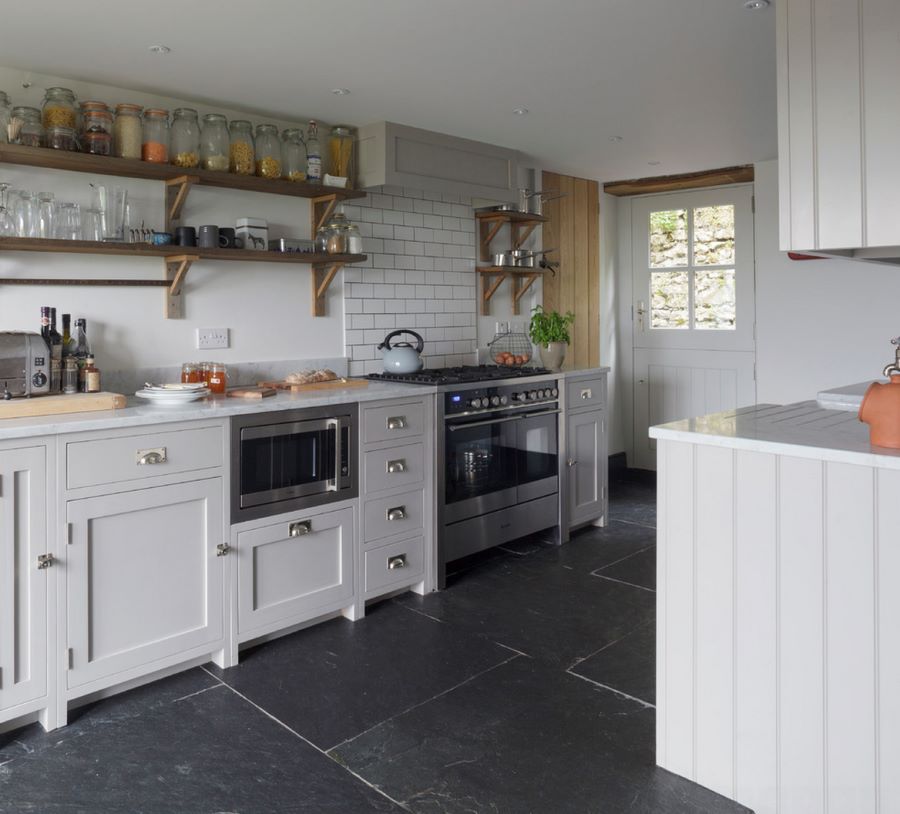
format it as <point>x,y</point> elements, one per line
<point>169,395</point>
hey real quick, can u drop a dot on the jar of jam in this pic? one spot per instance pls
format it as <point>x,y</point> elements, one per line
<point>192,372</point>
<point>217,380</point>
<point>155,143</point>
<point>31,133</point>
<point>58,109</point>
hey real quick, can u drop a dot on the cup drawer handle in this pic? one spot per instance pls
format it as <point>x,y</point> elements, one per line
<point>394,563</point>
<point>300,528</point>
<point>396,422</point>
<point>146,457</point>
<point>587,394</point>
<point>397,513</point>
<point>394,467</point>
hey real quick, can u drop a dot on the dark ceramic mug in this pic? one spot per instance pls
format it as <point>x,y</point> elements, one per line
<point>186,236</point>
<point>227,239</point>
<point>208,237</point>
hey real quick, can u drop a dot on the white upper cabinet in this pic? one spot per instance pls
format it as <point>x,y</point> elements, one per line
<point>839,126</point>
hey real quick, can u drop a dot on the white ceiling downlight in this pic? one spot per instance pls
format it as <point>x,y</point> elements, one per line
<point>341,91</point>
<point>159,49</point>
<point>756,5</point>
<point>521,111</point>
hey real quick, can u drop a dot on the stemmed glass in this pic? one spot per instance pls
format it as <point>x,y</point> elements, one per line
<point>7,222</point>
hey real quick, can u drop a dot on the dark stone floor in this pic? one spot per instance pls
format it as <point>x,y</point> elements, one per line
<point>527,686</point>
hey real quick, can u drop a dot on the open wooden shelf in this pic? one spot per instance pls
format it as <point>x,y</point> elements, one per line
<point>521,225</point>
<point>492,277</point>
<point>511,217</point>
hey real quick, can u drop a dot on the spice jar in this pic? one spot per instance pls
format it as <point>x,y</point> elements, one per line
<point>155,143</point>
<point>127,131</point>
<point>61,138</point>
<point>31,132</point>
<point>217,378</point>
<point>268,151</point>
<point>4,117</point>
<point>214,143</point>
<point>185,134</point>
<point>58,109</point>
<point>293,155</point>
<point>340,153</point>
<point>241,152</point>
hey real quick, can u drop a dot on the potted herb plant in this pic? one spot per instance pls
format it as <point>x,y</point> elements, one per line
<point>549,330</point>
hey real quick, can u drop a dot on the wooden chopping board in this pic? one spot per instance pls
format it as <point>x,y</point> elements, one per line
<point>251,392</point>
<point>58,404</point>
<point>334,384</point>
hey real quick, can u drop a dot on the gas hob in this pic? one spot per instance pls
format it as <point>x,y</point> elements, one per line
<point>467,374</point>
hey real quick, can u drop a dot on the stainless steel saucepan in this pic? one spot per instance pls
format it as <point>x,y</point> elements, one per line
<point>519,258</point>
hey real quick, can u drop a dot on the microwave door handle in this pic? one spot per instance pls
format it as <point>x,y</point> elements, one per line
<point>333,484</point>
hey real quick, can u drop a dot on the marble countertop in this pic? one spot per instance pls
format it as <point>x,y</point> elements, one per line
<point>844,398</point>
<point>138,413</point>
<point>803,430</point>
<point>584,371</point>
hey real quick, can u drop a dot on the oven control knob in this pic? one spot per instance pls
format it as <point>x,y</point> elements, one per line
<point>554,393</point>
<point>504,400</point>
<point>544,394</point>
<point>475,404</point>
<point>39,379</point>
<point>532,395</point>
<point>518,397</point>
<point>495,401</point>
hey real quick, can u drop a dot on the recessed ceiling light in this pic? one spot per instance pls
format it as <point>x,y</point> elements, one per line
<point>521,111</point>
<point>654,163</point>
<point>340,91</point>
<point>160,49</point>
<point>615,139</point>
<point>756,5</point>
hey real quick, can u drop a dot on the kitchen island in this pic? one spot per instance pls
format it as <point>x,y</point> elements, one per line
<point>778,661</point>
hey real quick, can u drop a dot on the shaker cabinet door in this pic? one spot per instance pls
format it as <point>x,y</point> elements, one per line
<point>144,579</point>
<point>587,464</point>
<point>23,585</point>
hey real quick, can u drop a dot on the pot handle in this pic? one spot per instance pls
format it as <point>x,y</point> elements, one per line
<point>386,342</point>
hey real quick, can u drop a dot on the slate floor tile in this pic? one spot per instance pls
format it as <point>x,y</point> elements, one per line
<point>335,680</point>
<point>524,738</point>
<point>633,501</point>
<point>628,665</point>
<point>637,569</point>
<point>591,548</point>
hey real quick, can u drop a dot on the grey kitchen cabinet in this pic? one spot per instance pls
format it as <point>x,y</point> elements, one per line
<point>293,568</point>
<point>838,120</point>
<point>398,155</point>
<point>144,581</point>
<point>24,574</point>
<point>587,457</point>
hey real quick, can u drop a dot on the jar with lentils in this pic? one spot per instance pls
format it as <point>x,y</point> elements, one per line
<point>214,143</point>
<point>58,109</point>
<point>155,143</point>
<point>31,133</point>
<point>127,131</point>
<point>268,151</point>
<point>185,150</point>
<point>241,154</point>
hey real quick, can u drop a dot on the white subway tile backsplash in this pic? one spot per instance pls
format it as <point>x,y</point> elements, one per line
<point>403,204</point>
<point>432,196</point>
<point>374,306</point>
<point>424,235</point>
<point>394,275</point>
<point>425,263</point>
<point>442,209</point>
<point>371,215</point>
<point>352,306</point>
<point>395,306</point>
<point>383,261</point>
<point>411,192</point>
<point>454,224</point>
<point>362,321</point>
<point>432,221</point>
<point>450,197</point>
<point>415,277</point>
<point>404,232</point>
<point>392,216</point>
<point>385,321</point>
<point>383,290</point>
<point>373,244</point>
<point>382,230</point>
<point>365,229</point>
<point>442,264</point>
<point>382,201</point>
<point>442,236</point>
<point>413,219</point>
<point>404,261</point>
<point>461,211</point>
<point>414,248</point>
<point>392,189</point>
<point>361,290</point>
<point>460,238</point>
<point>425,207</point>
<point>434,249</point>
<point>407,292</point>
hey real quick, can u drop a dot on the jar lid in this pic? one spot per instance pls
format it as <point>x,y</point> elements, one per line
<point>266,128</point>
<point>185,111</point>
<point>214,117</point>
<point>126,107</point>
<point>241,123</point>
<point>60,92</point>
<point>291,132</point>
<point>98,114</point>
<point>93,105</point>
<point>156,112</point>
<point>60,130</point>
<point>25,112</point>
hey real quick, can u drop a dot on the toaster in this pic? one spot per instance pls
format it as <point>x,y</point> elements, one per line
<point>24,364</point>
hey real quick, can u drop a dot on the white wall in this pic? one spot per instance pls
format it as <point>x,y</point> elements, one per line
<point>609,305</point>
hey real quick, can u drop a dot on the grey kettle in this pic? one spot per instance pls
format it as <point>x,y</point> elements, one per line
<point>402,357</point>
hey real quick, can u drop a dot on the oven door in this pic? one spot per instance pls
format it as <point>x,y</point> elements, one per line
<point>537,441</point>
<point>279,462</point>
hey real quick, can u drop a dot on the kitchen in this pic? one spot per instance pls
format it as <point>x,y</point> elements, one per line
<point>401,479</point>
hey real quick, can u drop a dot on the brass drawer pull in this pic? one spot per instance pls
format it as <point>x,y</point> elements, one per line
<point>393,467</point>
<point>300,528</point>
<point>397,513</point>
<point>396,422</point>
<point>145,457</point>
<point>396,562</point>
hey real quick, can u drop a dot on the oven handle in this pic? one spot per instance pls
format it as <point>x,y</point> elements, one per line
<point>332,485</point>
<point>504,420</point>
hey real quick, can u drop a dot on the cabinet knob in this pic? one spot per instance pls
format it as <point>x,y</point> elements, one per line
<point>396,422</point>
<point>44,561</point>
<point>300,528</point>
<point>394,467</point>
<point>146,457</point>
<point>222,549</point>
<point>394,563</point>
<point>398,513</point>
<point>571,462</point>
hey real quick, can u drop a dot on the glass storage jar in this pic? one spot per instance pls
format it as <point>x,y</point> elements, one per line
<point>58,109</point>
<point>337,234</point>
<point>214,143</point>
<point>96,121</point>
<point>354,239</point>
<point>60,138</point>
<point>4,117</point>
<point>87,108</point>
<point>321,241</point>
<point>268,151</point>
<point>240,152</point>
<point>185,137</point>
<point>155,136</point>
<point>127,131</point>
<point>340,153</point>
<point>99,143</point>
<point>31,133</point>
<point>293,155</point>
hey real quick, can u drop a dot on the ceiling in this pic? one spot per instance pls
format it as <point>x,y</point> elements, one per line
<point>689,84</point>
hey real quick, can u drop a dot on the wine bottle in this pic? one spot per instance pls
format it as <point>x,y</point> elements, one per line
<point>55,342</point>
<point>82,350</point>
<point>45,323</point>
<point>68,347</point>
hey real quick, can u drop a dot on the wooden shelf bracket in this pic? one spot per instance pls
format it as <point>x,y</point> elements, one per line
<point>177,190</point>
<point>177,268</point>
<point>521,284</point>
<point>321,278</point>
<point>322,207</point>
<point>489,287</point>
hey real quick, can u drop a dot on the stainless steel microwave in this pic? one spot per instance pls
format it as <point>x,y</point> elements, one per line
<point>293,459</point>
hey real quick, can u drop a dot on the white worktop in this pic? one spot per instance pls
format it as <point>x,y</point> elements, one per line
<point>584,372</point>
<point>138,413</point>
<point>847,398</point>
<point>804,430</point>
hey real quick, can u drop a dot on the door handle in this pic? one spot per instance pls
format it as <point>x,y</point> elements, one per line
<point>394,467</point>
<point>641,310</point>
<point>571,462</point>
<point>397,513</point>
<point>222,549</point>
<point>44,561</point>
<point>300,528</point>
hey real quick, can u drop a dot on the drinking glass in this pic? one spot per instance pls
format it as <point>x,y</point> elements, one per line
<point>91,225</point>
<point>26,214</point>
<point>110,202</point>
<point>7,221</point>
<point>69,222</point>
<point>46,215</point>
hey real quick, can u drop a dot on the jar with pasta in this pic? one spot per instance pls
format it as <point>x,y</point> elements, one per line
<point>4,117</point>
<point>127,131</point>
<point>30,131</point>
<point>340,153</point>
<point>185,138</point>
<point>155,143</point>
<point>241,154</point>
<point>293,155</point>
<point>268,151</point>
<point>214,143</point>
<point>58,109</point>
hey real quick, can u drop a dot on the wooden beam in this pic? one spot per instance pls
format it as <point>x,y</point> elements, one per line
<point>675,183</point>
<point>321,279</point>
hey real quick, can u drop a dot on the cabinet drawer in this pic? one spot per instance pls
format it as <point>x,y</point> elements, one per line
<point>398,466</point>
<point>586,393</point>
<point>402,420</point>
<point>394,564</point>
<point>396,514</point>
<point>113,460</point>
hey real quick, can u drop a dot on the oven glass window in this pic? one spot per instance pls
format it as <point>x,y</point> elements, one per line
<point>537,442</point>
<point>288,461</point>
<point>480,460</point>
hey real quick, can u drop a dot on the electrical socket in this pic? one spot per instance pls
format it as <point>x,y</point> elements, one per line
<point>209,338</point>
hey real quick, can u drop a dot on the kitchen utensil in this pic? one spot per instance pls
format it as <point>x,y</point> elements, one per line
<point>519,258</point>
<point>532,201</point>
<point>24,364</point>
<point>228,238</point>
<point>402,357</point>
<point>251,392</point>
<point>499,208</point>
<point>291,244</point>
<point>160,238</point>
<point>169,397</point>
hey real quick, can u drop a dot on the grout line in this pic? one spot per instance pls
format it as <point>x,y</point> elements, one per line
<point>645,704</point>
<point>622,582</point>
<point>422,703</point>
<point>622,559</point>
<point>632,523</point>
<point>513,649</point>
<point>205,689</point>
<point>421,613</point>
<point>310,743</point>
<point>621,638</point>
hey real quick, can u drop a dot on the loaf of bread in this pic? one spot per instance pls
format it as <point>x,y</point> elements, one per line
<point>311,376</point>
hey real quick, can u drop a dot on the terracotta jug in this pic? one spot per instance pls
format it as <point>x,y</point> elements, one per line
<point>880,409</point>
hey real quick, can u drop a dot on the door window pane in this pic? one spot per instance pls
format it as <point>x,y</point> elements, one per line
<point>669,295</point>
<point>714,235</point>
<point>668,238</point>
<point>714,303</point>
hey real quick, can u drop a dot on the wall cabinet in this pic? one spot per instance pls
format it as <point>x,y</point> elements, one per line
<point>144,580</point>
<point>587,458</point>
<point>838,121</point>
<point>23,580</point>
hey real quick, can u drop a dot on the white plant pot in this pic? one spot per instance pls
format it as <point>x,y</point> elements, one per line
<point>552,355</point>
